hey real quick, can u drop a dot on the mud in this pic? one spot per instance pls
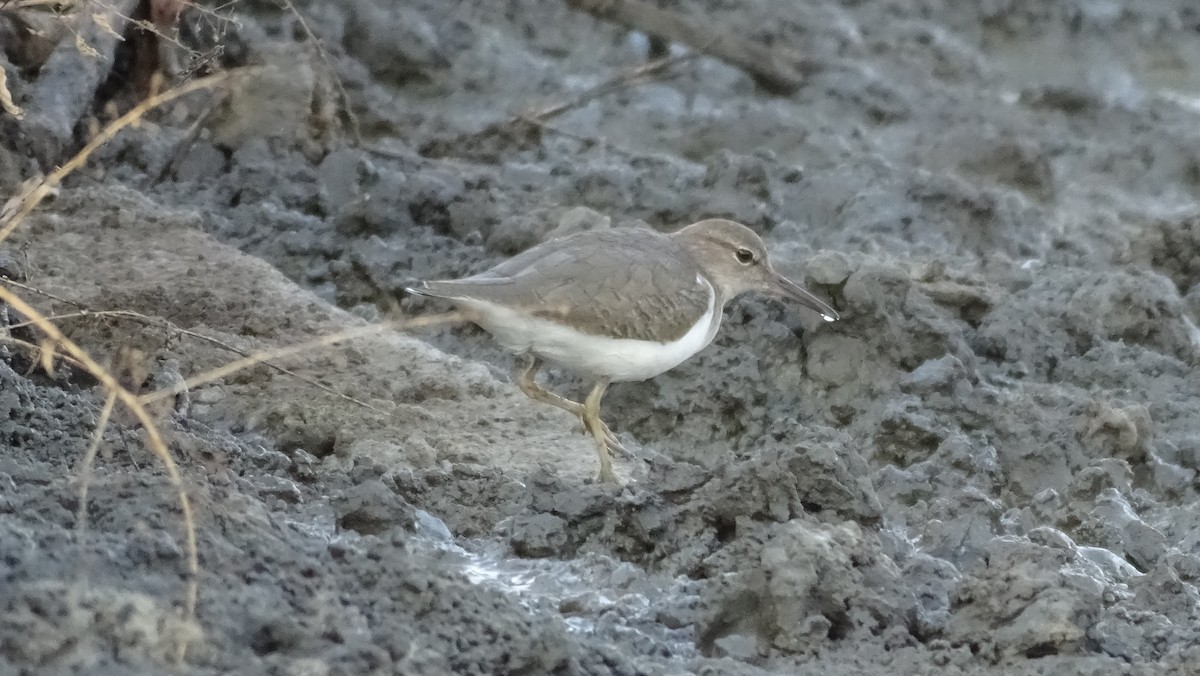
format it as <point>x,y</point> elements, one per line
<point>988,466</point>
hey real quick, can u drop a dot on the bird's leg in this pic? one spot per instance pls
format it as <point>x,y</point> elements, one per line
<point>606,443</point>
<point>610,439</point>
<point>525,381</point>
<point>538,393</point>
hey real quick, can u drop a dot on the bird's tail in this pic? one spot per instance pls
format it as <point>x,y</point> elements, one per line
<point>418,288</point>
<point>449,290</point>
<point>458,289</point>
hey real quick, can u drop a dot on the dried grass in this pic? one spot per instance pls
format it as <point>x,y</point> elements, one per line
<point>56,346</point>
<point>54,341</point>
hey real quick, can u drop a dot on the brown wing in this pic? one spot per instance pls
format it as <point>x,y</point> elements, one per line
<point>618,283</point>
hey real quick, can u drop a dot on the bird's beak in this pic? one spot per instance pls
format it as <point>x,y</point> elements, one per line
<point>789,289</point>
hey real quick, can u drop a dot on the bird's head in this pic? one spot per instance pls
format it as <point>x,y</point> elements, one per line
<point>734,259</point>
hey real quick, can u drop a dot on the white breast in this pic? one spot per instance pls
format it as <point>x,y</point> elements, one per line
<point>618,359</point>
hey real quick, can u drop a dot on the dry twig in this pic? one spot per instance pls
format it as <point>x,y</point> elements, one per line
<point>87,313</point>
<point>188,138</point>
<point>154,438</point>
<point>84,473</point>
<point>647,72</point>
<point>137,405</point>
<point>307,346</point>
<point>355,136</point>
<point>774,70</point>
<point>56,341</point>
<point>527,125</point>
<point>6,100</point>
<point>37,349</point>
<point>67,82</point>
<point>51,182</point>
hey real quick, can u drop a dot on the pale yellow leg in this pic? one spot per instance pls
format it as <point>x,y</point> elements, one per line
<point>600,431</point>
<point>606,440</point>
<point>538,393</point>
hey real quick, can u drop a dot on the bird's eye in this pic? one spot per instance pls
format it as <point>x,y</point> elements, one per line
<point>745,256</point>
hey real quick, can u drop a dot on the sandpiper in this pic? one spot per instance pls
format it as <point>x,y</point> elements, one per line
<point>616,305</point>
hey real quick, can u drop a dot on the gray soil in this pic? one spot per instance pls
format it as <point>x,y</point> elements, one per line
<point>988,466</point>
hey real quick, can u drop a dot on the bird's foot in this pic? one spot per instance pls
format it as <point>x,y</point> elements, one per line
<point>605,435</point>
<point>607,475</point>
<point>607,445</point>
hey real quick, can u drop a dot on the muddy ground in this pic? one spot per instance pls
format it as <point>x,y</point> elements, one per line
<point>988,466</point>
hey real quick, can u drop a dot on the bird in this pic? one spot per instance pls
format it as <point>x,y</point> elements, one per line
<point>616,305</point>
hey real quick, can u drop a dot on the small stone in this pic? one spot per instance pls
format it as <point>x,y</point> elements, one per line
<point>933,374</point>
<point>371,508</point>
<point>737,646</point>
<point>1052,537</point>
<point>537,535</point>
<point>281,488</point>
<point>202,162</point>
<point>431,526</point>
<point>830,268</point>
<point>266,458</point>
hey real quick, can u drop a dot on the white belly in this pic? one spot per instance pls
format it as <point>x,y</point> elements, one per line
<point>617,359</point>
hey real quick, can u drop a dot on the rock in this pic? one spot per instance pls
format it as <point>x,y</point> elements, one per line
<point>537,535</point>
<point>371,508</point>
